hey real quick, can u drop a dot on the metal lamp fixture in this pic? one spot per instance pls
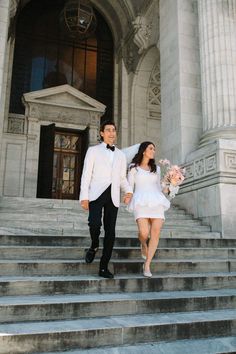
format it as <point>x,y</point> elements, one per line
<point>79,18</point>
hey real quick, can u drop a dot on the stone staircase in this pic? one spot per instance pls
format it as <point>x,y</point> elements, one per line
<point>51,301</point>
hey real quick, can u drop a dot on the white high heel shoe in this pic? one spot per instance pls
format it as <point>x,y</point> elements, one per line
<point>146,274</point>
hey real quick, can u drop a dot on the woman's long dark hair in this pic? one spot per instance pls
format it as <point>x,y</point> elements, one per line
<point>139,156</point>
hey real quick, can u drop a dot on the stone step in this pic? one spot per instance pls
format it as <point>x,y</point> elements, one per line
<point>67,252</point>
<point>20,202</point>
<point>83,225</point>
<point>128,283</point>
<point>82,241</point>
<point>119,330</point>
<point>56,267</point>
<point>65,215</point>
<point>213,345</point>
<point>166,233</point>
<point>68,307</point>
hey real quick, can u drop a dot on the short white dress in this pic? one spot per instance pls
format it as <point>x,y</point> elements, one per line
<point>148,201</point>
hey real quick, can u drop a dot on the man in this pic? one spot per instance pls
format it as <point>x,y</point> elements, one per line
<point>104,174</point>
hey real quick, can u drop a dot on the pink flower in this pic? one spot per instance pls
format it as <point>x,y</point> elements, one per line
<point>171,174</point>
<point>164,162</point>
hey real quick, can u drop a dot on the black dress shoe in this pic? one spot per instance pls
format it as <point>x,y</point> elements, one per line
<point>90,254</point>
<point>105,273</point>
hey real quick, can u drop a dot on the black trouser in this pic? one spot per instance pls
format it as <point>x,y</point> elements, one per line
<point>109,222</point>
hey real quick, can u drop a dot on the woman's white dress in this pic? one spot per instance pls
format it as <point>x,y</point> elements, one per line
<point>148,201</point>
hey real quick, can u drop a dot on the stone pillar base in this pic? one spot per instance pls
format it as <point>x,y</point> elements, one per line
<point>210,187</point>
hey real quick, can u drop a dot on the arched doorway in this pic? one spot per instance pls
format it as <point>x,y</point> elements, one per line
<point>45,57</point>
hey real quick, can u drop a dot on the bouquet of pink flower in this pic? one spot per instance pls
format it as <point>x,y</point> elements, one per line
<point>171,177</point>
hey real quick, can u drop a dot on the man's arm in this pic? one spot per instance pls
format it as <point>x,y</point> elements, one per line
<point>86,178</point>
<point>125,186</point>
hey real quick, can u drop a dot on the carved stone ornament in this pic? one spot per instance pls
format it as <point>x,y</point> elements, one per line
<point>154,94</point>
<point>142,33</point>
<point>16,125</point>
<point>210,163</point>
<point>230,161</point>
<point>201,167</point>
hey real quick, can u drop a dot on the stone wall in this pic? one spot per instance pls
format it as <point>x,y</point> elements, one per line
<point>180,78</point>
<point>4,11</point>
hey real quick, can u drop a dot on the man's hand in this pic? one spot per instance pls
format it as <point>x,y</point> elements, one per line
<point>85,204</point>
<point>127,198</point>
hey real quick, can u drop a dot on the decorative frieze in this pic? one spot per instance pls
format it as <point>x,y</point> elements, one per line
<point>189,171</point>
<point>210,164</point>
<point>200,168</point>
<point>230,160</point>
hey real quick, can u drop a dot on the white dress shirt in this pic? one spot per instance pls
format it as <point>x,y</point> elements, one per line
<point>109,152</point>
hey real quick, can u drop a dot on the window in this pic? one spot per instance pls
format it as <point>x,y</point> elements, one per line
<point>45,56</point>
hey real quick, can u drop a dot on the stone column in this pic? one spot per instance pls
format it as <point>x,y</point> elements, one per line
<point>217,35</point>
<point>181,110</point>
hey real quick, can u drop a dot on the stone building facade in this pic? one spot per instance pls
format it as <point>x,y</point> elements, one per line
<point>174,83</point>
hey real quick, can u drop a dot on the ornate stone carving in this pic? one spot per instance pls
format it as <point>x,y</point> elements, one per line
<point>210,163</point>
<point>154,94</point>
<point>199,168</point>
<point>189,171</point>
<point>16,125</point>
<point>230,160</point>
<point>142,33</point>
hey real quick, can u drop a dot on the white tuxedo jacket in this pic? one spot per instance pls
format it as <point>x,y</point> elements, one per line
<point>99,173</point>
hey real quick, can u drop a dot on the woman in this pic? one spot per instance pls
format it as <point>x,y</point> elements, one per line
<point>148,202</point>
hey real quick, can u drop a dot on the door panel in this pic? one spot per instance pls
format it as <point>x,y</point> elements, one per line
<point>45,168</point>
<point>60,162</point>
<point>66,166</point>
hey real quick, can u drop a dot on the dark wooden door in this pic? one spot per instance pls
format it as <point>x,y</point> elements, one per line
<point>60,162</point>
<point>67,165</point>
<point>45,168</point>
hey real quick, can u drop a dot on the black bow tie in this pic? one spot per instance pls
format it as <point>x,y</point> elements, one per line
<point>112,148</point>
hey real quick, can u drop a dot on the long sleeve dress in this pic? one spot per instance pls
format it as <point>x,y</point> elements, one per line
<point>148,201</point>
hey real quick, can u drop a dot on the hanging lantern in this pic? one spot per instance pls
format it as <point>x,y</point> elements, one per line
<point>78,18</point>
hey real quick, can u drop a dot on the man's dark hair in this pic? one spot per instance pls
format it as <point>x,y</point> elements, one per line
<point>103,124</point>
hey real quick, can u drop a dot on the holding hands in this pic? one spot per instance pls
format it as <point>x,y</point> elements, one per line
<point>127,198</point>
